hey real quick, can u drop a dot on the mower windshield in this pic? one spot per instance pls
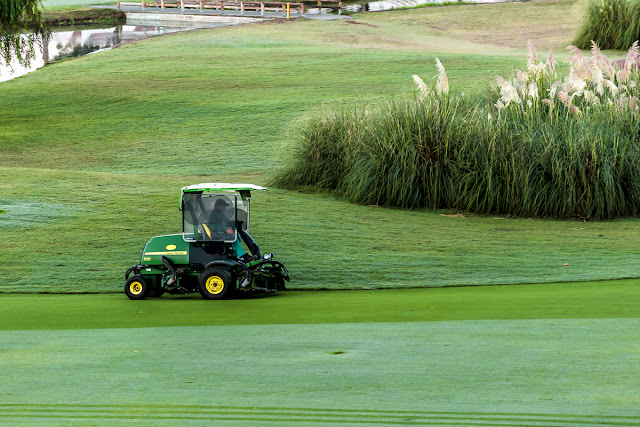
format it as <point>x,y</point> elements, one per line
<point>209,217</point>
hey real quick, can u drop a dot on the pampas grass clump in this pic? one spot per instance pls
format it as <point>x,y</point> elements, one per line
<point>546,146</point>
<point>612,24</point>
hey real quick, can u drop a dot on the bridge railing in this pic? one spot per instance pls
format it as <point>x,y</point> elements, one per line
<point>237,5</point>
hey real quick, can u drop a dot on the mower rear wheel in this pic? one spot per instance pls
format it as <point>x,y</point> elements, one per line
<point>136,287</point>
<point>216,283</point>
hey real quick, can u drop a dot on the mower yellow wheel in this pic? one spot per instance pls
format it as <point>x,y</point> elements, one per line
<point>135,288</point>
<point>214,285</point>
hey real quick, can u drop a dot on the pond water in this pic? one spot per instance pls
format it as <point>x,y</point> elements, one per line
<point>378,6</point>
<point>65,43</point>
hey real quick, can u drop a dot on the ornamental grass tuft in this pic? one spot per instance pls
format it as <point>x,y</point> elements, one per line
<point>545,146</point>
<point>613,24</point>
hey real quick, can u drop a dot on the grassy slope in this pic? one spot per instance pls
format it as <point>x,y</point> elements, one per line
<point>95,149</point>
<point>558,355</point>
<point>525,355</point>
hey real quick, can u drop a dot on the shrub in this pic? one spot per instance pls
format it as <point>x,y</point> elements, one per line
<point>612,24</point>
<point>545,147</point>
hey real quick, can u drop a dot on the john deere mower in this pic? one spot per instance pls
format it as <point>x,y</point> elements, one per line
<point>207,256</point>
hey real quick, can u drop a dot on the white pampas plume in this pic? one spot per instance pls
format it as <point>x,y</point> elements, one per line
<point>550,62</point>
<point>597,57</point>
<point>611,86</point>
<point>537,69</point>
<point>631,62</point>
<point>574,84</point>
<point>634,52</point>
<point>591,98</point>
<point>564,98</point>
<point>442,85</point>
<point>508,93</point>
<point>622,75</point>
<point>581,74</point>
<point>575,110</point>
<point>422,87</point>
<point>554,88</point>
<point>533,90</point>
<point>622,102</point>
<point>577,60</point>
<point>522,76</point>
<point>595,74</point>
<point>532,52</point>
<point>548,102</point>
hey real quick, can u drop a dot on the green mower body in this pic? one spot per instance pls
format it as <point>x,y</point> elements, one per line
<point>207,256</point>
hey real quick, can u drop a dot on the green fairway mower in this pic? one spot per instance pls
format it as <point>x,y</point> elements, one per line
<point>207,256</point>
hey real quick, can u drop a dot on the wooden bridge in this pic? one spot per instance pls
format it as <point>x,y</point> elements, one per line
<point>238,6</point>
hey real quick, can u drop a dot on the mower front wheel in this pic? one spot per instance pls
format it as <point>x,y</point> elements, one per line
<point>136,287</point>
<point>216,283</point>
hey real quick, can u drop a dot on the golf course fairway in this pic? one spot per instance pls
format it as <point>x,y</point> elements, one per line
<point>534,355</point>
<point>95,150</point>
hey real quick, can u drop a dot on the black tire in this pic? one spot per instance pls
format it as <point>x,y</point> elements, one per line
<point>216,283</point>
<point>137,287</point>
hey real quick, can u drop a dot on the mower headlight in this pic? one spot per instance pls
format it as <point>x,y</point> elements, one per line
<point>268,256</point>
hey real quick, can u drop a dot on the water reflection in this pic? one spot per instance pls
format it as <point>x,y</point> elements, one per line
<point>378,6</point>
<point>59,45</point>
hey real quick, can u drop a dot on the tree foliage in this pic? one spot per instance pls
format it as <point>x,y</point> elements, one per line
<point>21,28</point>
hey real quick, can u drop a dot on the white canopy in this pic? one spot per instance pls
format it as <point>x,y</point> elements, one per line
<point>213,186</point>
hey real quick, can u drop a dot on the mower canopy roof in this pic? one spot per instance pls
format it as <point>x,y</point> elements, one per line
<point>221,186</point>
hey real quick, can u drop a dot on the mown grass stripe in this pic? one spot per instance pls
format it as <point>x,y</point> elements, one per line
<point>338,411</point>
<point>290,419</point>
<point>215,413</point>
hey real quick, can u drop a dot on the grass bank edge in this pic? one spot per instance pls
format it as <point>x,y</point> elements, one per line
<point>294,289</point>
<point>60,16</point>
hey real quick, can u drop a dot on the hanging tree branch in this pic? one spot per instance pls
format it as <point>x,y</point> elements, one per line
<point>21,28</point>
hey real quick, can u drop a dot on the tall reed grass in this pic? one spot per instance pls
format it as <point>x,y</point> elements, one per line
<point>544,147</point>
<point>612,24</point>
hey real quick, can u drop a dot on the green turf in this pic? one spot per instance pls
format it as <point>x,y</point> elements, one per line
<point>534,355</point>
<point>610,299</point>
<point>94,151</point>
<point>519,372</point>
<point>92,166</point>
